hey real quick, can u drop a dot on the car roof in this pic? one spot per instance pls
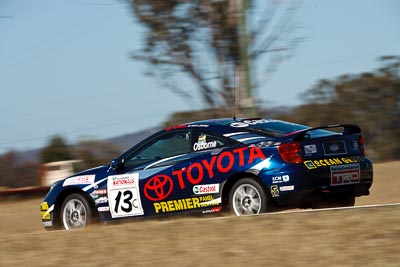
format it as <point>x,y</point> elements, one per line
<point>223,121</point>
<point>232,128</point>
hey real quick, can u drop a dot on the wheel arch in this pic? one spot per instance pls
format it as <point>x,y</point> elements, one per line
<point>63,195</point>
<point>233,179</point>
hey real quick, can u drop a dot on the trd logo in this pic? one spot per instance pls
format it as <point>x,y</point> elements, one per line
<point>345,177</point>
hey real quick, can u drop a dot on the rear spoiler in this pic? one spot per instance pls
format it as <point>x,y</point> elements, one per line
<point>347,130</point>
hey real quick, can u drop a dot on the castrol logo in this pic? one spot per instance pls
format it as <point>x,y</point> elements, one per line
<point>206,189</point>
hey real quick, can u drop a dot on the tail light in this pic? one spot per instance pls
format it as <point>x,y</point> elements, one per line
<point>290,152</point>
<point>361,144</point>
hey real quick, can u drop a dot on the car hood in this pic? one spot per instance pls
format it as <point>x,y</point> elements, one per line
<point>99,172</point>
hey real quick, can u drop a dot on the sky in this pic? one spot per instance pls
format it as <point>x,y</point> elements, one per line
<point>65,65</point>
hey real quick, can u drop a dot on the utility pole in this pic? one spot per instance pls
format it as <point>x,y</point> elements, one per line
<point>245,101</point>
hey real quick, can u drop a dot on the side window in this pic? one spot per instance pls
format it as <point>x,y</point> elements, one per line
<point>164,146</point>
<point>205,141</point>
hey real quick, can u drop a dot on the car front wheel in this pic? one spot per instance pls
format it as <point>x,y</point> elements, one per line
<point>247,197</point>
<point>76,212</point>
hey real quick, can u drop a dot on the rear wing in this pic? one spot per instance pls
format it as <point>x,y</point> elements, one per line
<point>347,130</point>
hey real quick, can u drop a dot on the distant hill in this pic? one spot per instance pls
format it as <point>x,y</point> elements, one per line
<point>124,142</point>
<point>128,140</point>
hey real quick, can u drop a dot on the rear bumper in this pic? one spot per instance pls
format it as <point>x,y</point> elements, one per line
<point>310,197</point>
<point>313,185</point>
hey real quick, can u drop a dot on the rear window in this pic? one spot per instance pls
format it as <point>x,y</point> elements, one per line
<point>276,128</point>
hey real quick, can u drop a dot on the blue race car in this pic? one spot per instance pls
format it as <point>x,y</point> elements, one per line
<point>244,166</point>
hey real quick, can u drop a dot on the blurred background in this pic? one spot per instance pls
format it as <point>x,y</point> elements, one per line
<point>83,80</point>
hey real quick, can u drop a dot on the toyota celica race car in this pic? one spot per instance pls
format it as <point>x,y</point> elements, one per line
<point>243,166</point>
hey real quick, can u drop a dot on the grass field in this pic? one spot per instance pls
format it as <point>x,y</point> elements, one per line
<point>350,237</point>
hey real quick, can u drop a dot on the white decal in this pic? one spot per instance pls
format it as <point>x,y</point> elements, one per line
<point>82,179</point>
<point>124,196</point>
<point>250,138</point>
<point>204,145</point>
<point>211,202</point>
<point>101,200</point>
<point>236,133</point>
<point>206,189</point>
<point>310,149</point>
<point>280,179</point>
<point>246,123</point>
<point>287,188</point>
<point>285,178</point>
<point>48,223</point>
<point>100,192</point>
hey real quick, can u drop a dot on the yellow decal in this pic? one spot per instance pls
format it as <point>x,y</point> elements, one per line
<point>185,204</point>
<point>313,164</point>
<point>44,207</point>
<point>274,191</point>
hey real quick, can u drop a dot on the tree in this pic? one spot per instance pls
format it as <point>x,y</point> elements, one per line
<point>95,153</point>
<point>56,150</point>
<point>217,44</point>
<point>371,100</point>
<point>15,173</point>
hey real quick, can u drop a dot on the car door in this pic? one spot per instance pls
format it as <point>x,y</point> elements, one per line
<point>204,178</point>
<point>148,174</point>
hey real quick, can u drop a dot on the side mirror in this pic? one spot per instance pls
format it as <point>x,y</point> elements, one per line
<point>117,165</point>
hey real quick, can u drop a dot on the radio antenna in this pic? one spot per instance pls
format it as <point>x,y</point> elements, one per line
<point>234,92</point>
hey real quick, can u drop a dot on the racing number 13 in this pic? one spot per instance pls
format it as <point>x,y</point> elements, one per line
<point>127,199</point>
<point>124,196</point>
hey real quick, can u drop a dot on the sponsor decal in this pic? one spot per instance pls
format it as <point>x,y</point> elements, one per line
<point>44,211</point>
<point>103,209</point>
<point>354,143</point>
<point>48,223</point>
<point>100,192</point>
<point>246,123</point>
<point>310,149</point>
<point>334,148</point>
<point>313,164</point>
<point>197,125</point>
<point>124,196</point>
<point>345,174</point>
<point>122,181</point>
<point>206,189</point>
<point>176,127</point>
<point>101,200</point>
<point>203,146</point>
<point>215,209</point>
<point>77,180</point>
<point>280,179</point>
<point>286,188</point>
<point>160,186</point>
<point>185,204</point>
<point>274,191</point>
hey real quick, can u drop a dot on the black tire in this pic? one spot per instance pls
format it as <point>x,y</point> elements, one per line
<point>76,212</point>
<point>247,197</point>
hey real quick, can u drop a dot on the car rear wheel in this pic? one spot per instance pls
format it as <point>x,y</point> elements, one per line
<point>247,197</point>
<point>76,212</point>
